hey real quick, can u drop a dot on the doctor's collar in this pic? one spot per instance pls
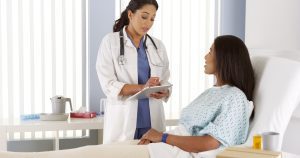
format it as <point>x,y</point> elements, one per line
<point>127,39</point>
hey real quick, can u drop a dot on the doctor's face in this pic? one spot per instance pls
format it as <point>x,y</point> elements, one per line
<point>210,61</point>
<point>142,20</point>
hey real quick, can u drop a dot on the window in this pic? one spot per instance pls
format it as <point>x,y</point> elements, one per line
<point>187,28</point>
<point>42,45</point>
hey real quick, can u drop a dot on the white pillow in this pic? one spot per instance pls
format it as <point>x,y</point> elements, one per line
<point>276,94</point>
<point>251,107</point>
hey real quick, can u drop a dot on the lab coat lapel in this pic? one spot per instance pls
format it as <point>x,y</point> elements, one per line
<point>131,57</point>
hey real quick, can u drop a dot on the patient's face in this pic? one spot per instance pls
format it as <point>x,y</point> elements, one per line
<point>210,61</point>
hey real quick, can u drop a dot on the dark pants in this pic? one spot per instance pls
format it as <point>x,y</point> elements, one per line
<point>139,132</point>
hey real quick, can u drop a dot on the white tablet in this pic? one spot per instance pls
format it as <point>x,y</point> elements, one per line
<point>145,93</point>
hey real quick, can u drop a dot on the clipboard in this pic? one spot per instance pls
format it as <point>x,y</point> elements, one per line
<point>145,93</point>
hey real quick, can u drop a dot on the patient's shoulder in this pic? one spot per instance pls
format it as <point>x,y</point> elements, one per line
<point>235,92</point>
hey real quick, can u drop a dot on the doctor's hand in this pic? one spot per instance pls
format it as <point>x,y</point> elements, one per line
<point>152,81</point>
<point>152,135</point>
<point>161,94</point>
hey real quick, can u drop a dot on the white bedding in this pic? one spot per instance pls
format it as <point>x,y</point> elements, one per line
<point>158,150</point>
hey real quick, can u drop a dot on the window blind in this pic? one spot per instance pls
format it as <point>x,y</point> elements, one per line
<point>43,53</point>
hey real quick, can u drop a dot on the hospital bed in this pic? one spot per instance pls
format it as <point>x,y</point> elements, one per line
<point>276,96</point>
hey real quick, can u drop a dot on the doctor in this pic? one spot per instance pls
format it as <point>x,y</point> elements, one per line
<point>129,60</point>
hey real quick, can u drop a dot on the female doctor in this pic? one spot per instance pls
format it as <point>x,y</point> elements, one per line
<point>129,60</point>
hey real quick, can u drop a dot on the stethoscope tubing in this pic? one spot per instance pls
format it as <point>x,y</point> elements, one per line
<point>122,58</point>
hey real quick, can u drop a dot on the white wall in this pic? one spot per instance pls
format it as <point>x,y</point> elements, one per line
<point>273,24</point>
<point>271,27</point>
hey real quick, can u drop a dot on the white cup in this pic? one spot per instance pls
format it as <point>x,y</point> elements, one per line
<point>271,141</point>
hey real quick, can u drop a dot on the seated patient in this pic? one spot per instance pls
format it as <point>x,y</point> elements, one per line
<point>218,117</point>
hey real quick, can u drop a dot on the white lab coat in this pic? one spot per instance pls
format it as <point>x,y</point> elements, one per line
<point>120,115</point>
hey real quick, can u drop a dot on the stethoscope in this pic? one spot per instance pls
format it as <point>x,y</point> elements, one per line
<point>123,60</point>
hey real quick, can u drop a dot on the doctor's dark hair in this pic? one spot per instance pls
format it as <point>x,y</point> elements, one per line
<point>233,63</point>
<point>132,6</point>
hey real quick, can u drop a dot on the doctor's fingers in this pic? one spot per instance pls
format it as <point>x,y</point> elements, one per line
<point>158,95</point>
<point>153,81</point>
<point>149,84</point>
<point>164,91</point>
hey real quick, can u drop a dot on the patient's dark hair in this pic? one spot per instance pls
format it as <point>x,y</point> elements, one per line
<point>233,63</point>
<point>132,6</point>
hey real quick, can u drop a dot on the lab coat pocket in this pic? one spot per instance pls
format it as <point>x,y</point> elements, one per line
<point>117,118</point>
<point>157,114</point>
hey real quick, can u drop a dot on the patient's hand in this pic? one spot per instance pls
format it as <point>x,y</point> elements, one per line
<point>144,142</point>
<point>153,136</point>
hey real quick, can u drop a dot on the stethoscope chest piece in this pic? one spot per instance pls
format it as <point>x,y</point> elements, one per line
<point>122,60</point>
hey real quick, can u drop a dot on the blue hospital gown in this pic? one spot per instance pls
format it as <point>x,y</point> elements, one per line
<point>220,112</point>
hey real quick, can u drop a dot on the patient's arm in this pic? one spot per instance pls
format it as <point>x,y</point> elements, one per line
<point>193,143</point>
<point>186,143</point>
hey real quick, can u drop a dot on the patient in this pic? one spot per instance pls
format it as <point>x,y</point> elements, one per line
<point>218,117</point>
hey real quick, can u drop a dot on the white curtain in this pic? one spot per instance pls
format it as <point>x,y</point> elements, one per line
<point>42,54</point>
<point>187,28</point>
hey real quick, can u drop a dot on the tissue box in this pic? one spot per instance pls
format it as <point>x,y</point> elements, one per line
<point>247,152</point>
<point>83,114</point>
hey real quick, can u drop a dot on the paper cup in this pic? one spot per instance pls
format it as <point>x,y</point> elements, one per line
<point>271,141</point>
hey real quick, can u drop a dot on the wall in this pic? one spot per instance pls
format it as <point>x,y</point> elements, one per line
<point>232,20</point>
<point>101,17</point>
<point>271,27</point>
<point>101,20</point>
<point>273,24</point>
